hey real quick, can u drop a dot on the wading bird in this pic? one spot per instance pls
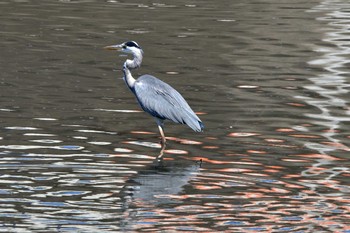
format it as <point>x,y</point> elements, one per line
<point>156,97</point>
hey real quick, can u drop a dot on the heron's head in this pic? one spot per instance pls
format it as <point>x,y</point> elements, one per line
<point>126,47</point>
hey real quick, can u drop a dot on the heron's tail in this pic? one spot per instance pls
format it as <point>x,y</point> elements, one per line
<point>194,123</point>
<point>201,125</point>
<point>197,126</point>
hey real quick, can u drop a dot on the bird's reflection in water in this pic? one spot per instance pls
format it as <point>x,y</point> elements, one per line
<point>155,186</point>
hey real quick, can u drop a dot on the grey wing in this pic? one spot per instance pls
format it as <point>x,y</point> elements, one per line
<point>161,100</point>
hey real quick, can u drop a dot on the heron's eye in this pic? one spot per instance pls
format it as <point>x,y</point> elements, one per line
<point>124,46</point>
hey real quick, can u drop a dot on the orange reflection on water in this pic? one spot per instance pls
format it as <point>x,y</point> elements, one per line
<point>285,130</point>
<point>207,187</point>
<point>251,195</point>
<point>274,140</point>
<point>256,151</point>
<point>276,167</point>
<point>294,186</point>
<point>318,156</point>
<point>271,170</point>
<point>331,130</point>
<point>296,104</point>
<point>168,158</point>
<point>242,134</point>
<point>210,147</point>
<point>276,190</point>
<point>184,141</point>
<point>337,145</point>
<point>142,132</point>
<point>289,176</point>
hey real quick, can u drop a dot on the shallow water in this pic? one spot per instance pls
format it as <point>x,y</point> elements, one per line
<point>268,78</point>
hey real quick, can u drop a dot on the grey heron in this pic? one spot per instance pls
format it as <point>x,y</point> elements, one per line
<point>156,97</point>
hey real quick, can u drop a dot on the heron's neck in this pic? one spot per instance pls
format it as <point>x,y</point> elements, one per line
<point>129,80</point>
<point>131,64</point>
<point>136,62</point>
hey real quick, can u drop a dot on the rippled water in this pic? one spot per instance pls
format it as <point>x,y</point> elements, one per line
<point>268,78</point>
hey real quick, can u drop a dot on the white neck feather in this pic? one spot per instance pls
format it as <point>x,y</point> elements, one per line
<point>132,64</point>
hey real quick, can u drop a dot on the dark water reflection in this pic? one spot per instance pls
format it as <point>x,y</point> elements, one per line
<point>269,79</point>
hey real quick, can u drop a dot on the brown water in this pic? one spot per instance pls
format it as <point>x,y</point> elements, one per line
<point>269,78</point>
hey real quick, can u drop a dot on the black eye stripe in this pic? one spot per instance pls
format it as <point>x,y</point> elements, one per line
<point>132,44</point>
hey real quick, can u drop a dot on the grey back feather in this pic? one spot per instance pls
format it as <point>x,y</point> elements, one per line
<point>162,101</point>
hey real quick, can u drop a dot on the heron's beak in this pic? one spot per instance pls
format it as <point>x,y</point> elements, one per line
<point>114,47</point>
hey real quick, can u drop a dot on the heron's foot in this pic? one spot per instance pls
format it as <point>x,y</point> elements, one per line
<point>158,163</point>
<point>199,162</point>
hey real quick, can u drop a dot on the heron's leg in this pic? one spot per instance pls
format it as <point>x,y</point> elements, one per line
<point>162,134</point>
<point>160,156</point>
<point>161,130</point>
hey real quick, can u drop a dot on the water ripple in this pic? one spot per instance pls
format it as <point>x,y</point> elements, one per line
<point>271,87</point>
<point>31,147</point>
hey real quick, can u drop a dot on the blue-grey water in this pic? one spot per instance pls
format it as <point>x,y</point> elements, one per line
<point>269,79</point>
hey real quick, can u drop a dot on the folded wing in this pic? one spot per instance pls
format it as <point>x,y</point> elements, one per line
<point>162,101</point>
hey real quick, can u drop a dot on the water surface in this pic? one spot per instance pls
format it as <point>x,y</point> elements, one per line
<point>268,78</point>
